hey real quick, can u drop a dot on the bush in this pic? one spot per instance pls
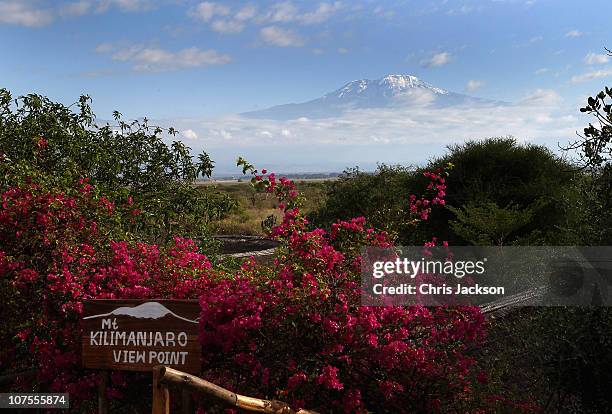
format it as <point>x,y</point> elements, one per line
<point>294,331</point>
<point>47,140</point>
<point>55,252</point>
<point>299,333</point>
<point>595,154</point>
<point>511,178</point>
<point>381,196</point>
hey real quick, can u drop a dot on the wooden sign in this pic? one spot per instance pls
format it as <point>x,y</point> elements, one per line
<point>136,335</point>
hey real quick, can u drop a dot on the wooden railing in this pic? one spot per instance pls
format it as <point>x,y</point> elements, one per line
<point>165,377</point>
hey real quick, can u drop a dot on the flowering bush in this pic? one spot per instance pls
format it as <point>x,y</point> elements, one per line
<point>54,253</point>
<point>298,332</point>
<point>294,331</point>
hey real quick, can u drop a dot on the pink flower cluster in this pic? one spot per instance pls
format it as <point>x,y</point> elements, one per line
<point>420,207</point>
<point>54,253</point>
<point>297,332</point>
<point>293,330</point>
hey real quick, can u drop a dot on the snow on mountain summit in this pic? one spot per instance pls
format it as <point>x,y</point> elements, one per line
<point>390,85</point>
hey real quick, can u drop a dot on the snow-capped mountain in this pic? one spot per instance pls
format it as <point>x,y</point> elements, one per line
<point>391,91</point>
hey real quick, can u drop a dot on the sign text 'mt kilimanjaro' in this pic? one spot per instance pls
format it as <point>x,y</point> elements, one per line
<point>136,335</point>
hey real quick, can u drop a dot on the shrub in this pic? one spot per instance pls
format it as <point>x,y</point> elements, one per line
<point>293,331</point>
<point>519,177</point>
<point>528,180</point>
<point>381,196</point>
<point>299,333</point>
<point>595,158</point>
<point>56,250</point>
<point>43,139</point>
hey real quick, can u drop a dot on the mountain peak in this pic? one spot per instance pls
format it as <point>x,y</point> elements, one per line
<point>389,85</point>
<point>410,81</point>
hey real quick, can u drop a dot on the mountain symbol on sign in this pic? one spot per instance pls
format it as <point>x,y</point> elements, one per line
<point>147,310</point>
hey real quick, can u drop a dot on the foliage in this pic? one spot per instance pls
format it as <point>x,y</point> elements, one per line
<point>57,250</point>
<point>560,354</point>
<point>487,224</point>
<point>294,331</point>
<point>515,177</point>
<point>596,143</point>
<point>58,145</point>
<point>256,212</point>
<point>569,347</point>
<point>575,344</point>
<point>382,197</point>
<point>299,333</point>
<point>595,153</point>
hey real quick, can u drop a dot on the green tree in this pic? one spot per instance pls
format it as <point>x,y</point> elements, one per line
<point>58,145</point>
<point>504,179</point>
<point>518,179</point>
<point>594,148</point>
<point>381,196</point>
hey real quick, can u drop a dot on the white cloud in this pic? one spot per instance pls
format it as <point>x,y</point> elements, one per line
<point>125,5</point>
<point>78,8</point>
<point>104,48</point>
<point>595,59</point>
<point>82,7</point>
<point>539,116</point>
<point>473,85</point>
<point>221,133</point>
<point>283,12</point>
<point>221,18</point>
<point>231,24</point>
<point>227,26</point>
<point>419,97</point>
<point>265,134</point>
<point>602,73</point>
<point>343,50</point>
<point>542,71</point>
<point>574,33</point>
<point>286,11</point>
<point>246,13</point>
<point>206,10</point>
<point>535,39</point>
<point>155,59</point>
<point>464,9</point>
<point>23,13</point>
<point>322,13</point>
<point>437,59</point>
<point>541,97</point>
<point>190,134</point>
<point>224,19</point>
<point>278,36</point>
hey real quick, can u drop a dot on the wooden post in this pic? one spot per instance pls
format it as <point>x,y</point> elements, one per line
<point>187,402</point>
<point>161,395</point>
<point>167,375</point>
<point>102,399</point>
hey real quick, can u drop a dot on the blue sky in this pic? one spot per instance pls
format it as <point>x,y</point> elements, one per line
<point>193,64</point>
